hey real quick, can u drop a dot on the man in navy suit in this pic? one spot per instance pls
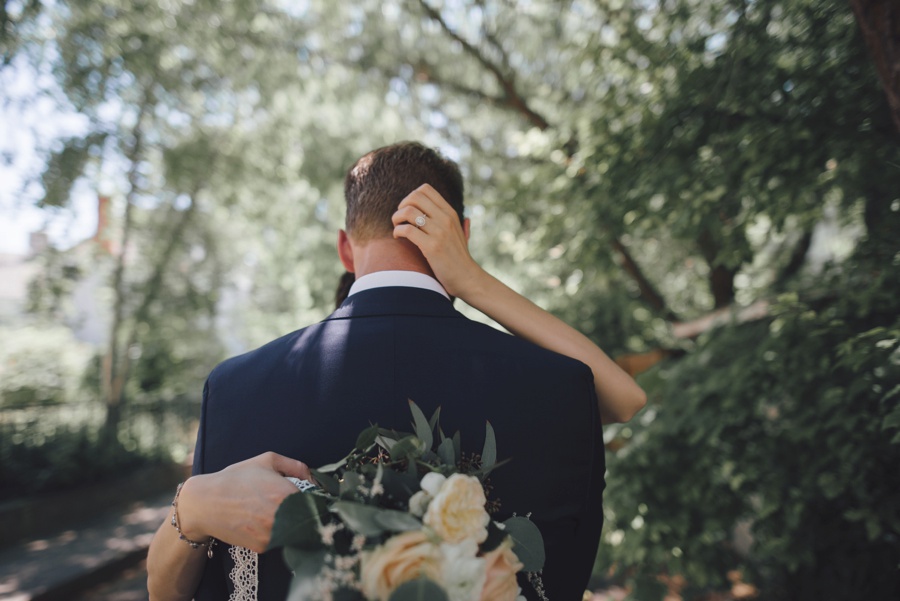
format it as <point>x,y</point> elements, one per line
<point>397,337</point>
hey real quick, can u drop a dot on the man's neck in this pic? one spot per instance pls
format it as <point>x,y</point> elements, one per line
<point>387,254</point>
<point>397,278</point>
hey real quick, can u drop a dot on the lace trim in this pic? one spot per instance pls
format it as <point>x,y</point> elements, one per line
<point>245,573</point>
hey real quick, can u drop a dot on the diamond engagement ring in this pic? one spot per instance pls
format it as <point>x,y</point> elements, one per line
<point>420,221</point>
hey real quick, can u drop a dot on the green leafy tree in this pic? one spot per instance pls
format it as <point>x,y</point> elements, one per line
<point>631,165</point>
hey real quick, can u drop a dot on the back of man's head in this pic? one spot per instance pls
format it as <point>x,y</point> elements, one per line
<point>378,181</point>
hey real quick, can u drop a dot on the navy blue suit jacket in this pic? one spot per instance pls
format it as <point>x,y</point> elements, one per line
<point>307,395</point>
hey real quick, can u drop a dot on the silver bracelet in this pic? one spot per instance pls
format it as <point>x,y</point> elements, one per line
<point>194,544</point>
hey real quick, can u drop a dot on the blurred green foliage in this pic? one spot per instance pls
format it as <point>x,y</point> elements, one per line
<point>40,365</point>
<point>785,429</point>
<point>630,164</point>
<point>45,449</point>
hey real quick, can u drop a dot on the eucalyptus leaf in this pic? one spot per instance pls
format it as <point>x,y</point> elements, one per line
<point>333,467</point>
<point>361,518</point>
<point>304,563</point>
<point>422,427</point>
<point>379,476</point>
<point>528,544</point>
<point>327,482</point>
<point>399,485</point>
<point>397,521</point>
<point>371,520</point>
<point>489,452</point>
<point>421,589</point>
<point>385,442</point>
<point>306,566</point>
<point>484,473</point>
<point>367,438</point>
<point>435,418</point>
<point>446,452</point>
<point>350,484</point>
<point>297,521</point>
<point>408,447</point>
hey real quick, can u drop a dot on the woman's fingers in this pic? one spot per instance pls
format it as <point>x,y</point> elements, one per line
<point>290,467</point>
<point>427,200</point>
<point>437,201</point>
<point>427,210</point>
<point>408,214</point>
<point>411,233</point>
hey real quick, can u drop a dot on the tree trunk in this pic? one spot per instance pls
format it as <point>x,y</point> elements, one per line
<point>879,21</point>
<point>152,288</point>
<point>112,380</point>
<point>721,278</point>
<point>797,258</point>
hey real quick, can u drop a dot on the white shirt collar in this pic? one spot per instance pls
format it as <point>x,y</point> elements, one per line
<point>408,279</point>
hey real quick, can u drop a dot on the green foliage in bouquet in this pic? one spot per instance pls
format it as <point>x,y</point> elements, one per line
<point>404,516</point>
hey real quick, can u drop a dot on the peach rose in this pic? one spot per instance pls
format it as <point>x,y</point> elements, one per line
<point>457,512</point>
<point>502,565</point>
<point>404,557</point>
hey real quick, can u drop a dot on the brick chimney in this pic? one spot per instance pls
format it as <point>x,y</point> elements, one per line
<point>37,243</point>
<point>103,235</point>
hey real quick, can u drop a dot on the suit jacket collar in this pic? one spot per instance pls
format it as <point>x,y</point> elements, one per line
<point>395,300</point>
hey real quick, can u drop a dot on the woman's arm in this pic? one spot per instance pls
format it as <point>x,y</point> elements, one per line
<point>236,505</point>
<point>445,245</point>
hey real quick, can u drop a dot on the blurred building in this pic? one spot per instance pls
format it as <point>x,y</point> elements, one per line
<point>85,269</point>
<point>16,272</point>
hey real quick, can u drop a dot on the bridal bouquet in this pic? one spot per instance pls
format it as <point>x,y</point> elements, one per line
<point>404,516</point>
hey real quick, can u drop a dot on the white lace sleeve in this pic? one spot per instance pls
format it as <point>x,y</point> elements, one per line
<point>245,573</point>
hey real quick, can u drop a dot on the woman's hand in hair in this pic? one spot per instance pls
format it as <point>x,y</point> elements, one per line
<point>442,239</point>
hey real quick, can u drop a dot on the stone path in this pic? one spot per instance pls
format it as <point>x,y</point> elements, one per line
<point>66,564</point>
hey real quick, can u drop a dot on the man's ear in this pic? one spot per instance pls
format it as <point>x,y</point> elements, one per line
<point>345,251</point>
<point>466,227</point>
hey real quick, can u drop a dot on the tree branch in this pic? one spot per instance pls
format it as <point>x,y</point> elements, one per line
<point>648,291</point>
<point>514,100</point>
<point>511,97</point>
<point>427,73</point>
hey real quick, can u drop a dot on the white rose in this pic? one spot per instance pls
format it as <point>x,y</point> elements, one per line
<point>432,483</point>
<point>457,511</point>
<point>418,503</point>
<point>462,571</point>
